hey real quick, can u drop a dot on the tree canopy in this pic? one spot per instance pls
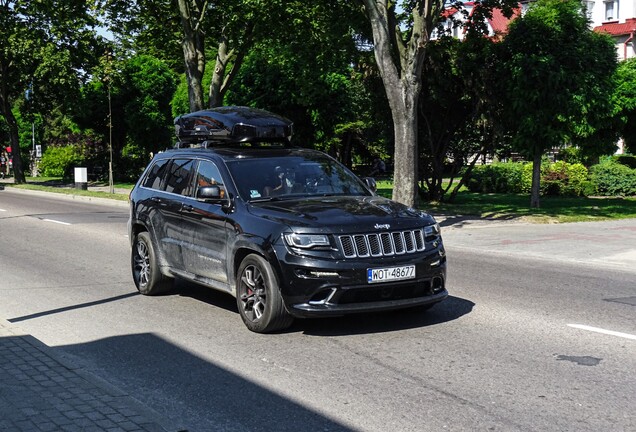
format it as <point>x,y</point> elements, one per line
<point>43,47</point>
<point>557,80</point>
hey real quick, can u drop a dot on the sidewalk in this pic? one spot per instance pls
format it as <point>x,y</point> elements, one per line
<point>41,392</point>
<point>603,244</point>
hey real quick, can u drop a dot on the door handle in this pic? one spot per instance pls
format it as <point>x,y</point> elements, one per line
<point>188,207</point>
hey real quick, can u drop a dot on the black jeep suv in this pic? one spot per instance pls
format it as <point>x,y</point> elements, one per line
<point>289,232</point>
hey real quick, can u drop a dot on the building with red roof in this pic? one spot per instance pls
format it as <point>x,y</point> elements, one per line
<point>614,17</point>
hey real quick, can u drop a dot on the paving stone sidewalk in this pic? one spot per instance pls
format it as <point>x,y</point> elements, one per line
<point>41,392</point>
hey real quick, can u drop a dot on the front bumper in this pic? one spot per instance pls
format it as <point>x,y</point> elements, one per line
<point>320,287</point>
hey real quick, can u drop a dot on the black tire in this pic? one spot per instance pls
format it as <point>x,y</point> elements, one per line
<point>145,269</point>
<point>258,296</point>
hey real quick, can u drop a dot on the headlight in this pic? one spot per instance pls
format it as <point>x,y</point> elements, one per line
<point>432,230</point>
<point>307,241</point>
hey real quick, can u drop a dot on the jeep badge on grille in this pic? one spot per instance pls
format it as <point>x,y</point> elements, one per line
<point>382,226</point>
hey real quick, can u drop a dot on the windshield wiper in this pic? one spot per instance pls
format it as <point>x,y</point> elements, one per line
<point>265,199</point>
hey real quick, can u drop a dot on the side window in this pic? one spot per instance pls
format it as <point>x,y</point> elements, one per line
<point>156,174</point>
<point>208,175</point>
<point>179,177</point>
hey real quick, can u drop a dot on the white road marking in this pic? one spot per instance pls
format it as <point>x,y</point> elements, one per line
<point>56,221</point>
<point>603,331</point>
<point>2,210</point>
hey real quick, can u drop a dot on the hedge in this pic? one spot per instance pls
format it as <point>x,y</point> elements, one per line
<point>612,177</point>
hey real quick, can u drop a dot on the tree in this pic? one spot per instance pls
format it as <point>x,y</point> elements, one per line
<point>141,88</point>
<point>226,29</point>
<point>43,47</point>
<point>557,80</point>
<point>457,112</point>
<point>297,74</point>
<point>400,48</point>
<point>625,102</point>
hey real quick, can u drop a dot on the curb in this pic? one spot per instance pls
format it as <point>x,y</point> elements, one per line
<point>71,197</point>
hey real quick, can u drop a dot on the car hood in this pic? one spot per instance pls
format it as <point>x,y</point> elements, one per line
<point>342,214</point>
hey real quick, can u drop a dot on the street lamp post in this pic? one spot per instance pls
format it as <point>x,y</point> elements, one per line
<point>111,185</point>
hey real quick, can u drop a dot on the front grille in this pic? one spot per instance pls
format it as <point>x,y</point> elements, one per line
<point>382,244</point>
<point>374,294</point>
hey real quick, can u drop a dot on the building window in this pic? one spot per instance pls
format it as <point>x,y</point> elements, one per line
<point>589,8</point>
<point>611,10</point>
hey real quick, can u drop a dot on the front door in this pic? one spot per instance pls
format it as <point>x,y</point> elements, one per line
<point>205,254</point>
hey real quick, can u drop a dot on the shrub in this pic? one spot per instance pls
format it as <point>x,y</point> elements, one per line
<point>613,179</point>
<point>562,178</point>
<point>496,178</point>
<point>559,178</point>
<point>60,161</point>
<point>526,177</point>
<point>627,160</point>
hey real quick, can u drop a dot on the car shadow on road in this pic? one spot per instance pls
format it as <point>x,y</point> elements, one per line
<point>448,310</point>
<point>461,221</point>
<point>210,296</point>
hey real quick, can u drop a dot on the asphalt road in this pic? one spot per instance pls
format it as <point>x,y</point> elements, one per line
<point>540,337</point>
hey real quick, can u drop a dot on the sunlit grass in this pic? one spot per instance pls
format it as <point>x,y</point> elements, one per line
<point>496,206</point>
<point>507,206</point>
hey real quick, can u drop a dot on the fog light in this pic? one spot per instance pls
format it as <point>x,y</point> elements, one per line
<point>305,273</point>
<point>437,285</point>
<point>323,274</point>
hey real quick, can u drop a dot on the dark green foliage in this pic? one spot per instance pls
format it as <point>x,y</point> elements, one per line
<point>496,178</point>
<point>627,160</point>
<point>559,178</point>
<point>43,45</point>
<point>141,89</point>
<point>613,179</point>
<point>625,102</point>
<point>557,77</point>
<point>75,150</point>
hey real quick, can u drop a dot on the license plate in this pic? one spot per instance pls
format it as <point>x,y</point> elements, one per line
<point>390,274</point>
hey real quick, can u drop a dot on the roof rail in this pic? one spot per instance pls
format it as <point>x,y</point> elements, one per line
<point>231,125</point>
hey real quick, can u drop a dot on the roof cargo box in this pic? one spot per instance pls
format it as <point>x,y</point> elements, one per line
<point>232,124</point>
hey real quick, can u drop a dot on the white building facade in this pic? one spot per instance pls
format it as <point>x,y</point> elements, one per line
<point>618,19</point>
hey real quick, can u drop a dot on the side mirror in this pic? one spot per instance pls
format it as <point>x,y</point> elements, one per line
<point>210,193</point>
<point>370,182</point>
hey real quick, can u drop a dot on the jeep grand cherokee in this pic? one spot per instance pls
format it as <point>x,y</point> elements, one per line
<point>289,232</point>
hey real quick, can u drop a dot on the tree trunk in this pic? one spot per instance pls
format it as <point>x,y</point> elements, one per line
<point>14,138</point>
<point>400,65</point>
<point>218,74</point>
<point>405,157</point>
<point>536,180</point>
<point>193,55</point>
<point>221,78</point>
<point>18,168</point>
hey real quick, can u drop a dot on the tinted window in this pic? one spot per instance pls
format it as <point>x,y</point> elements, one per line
<point>156,174</point>
<point>208,175</point>
<point>179,177</point>
<point>309,174</point>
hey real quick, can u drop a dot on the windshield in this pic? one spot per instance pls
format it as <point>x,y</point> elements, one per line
<point>282,177</point>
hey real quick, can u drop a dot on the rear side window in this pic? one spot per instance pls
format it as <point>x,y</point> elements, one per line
<point>156,174</point>
<point>179,177</point>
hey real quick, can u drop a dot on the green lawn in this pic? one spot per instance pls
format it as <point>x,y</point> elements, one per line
<point>498,206</point>
<point>508,206</point>
<point>58,185</point>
